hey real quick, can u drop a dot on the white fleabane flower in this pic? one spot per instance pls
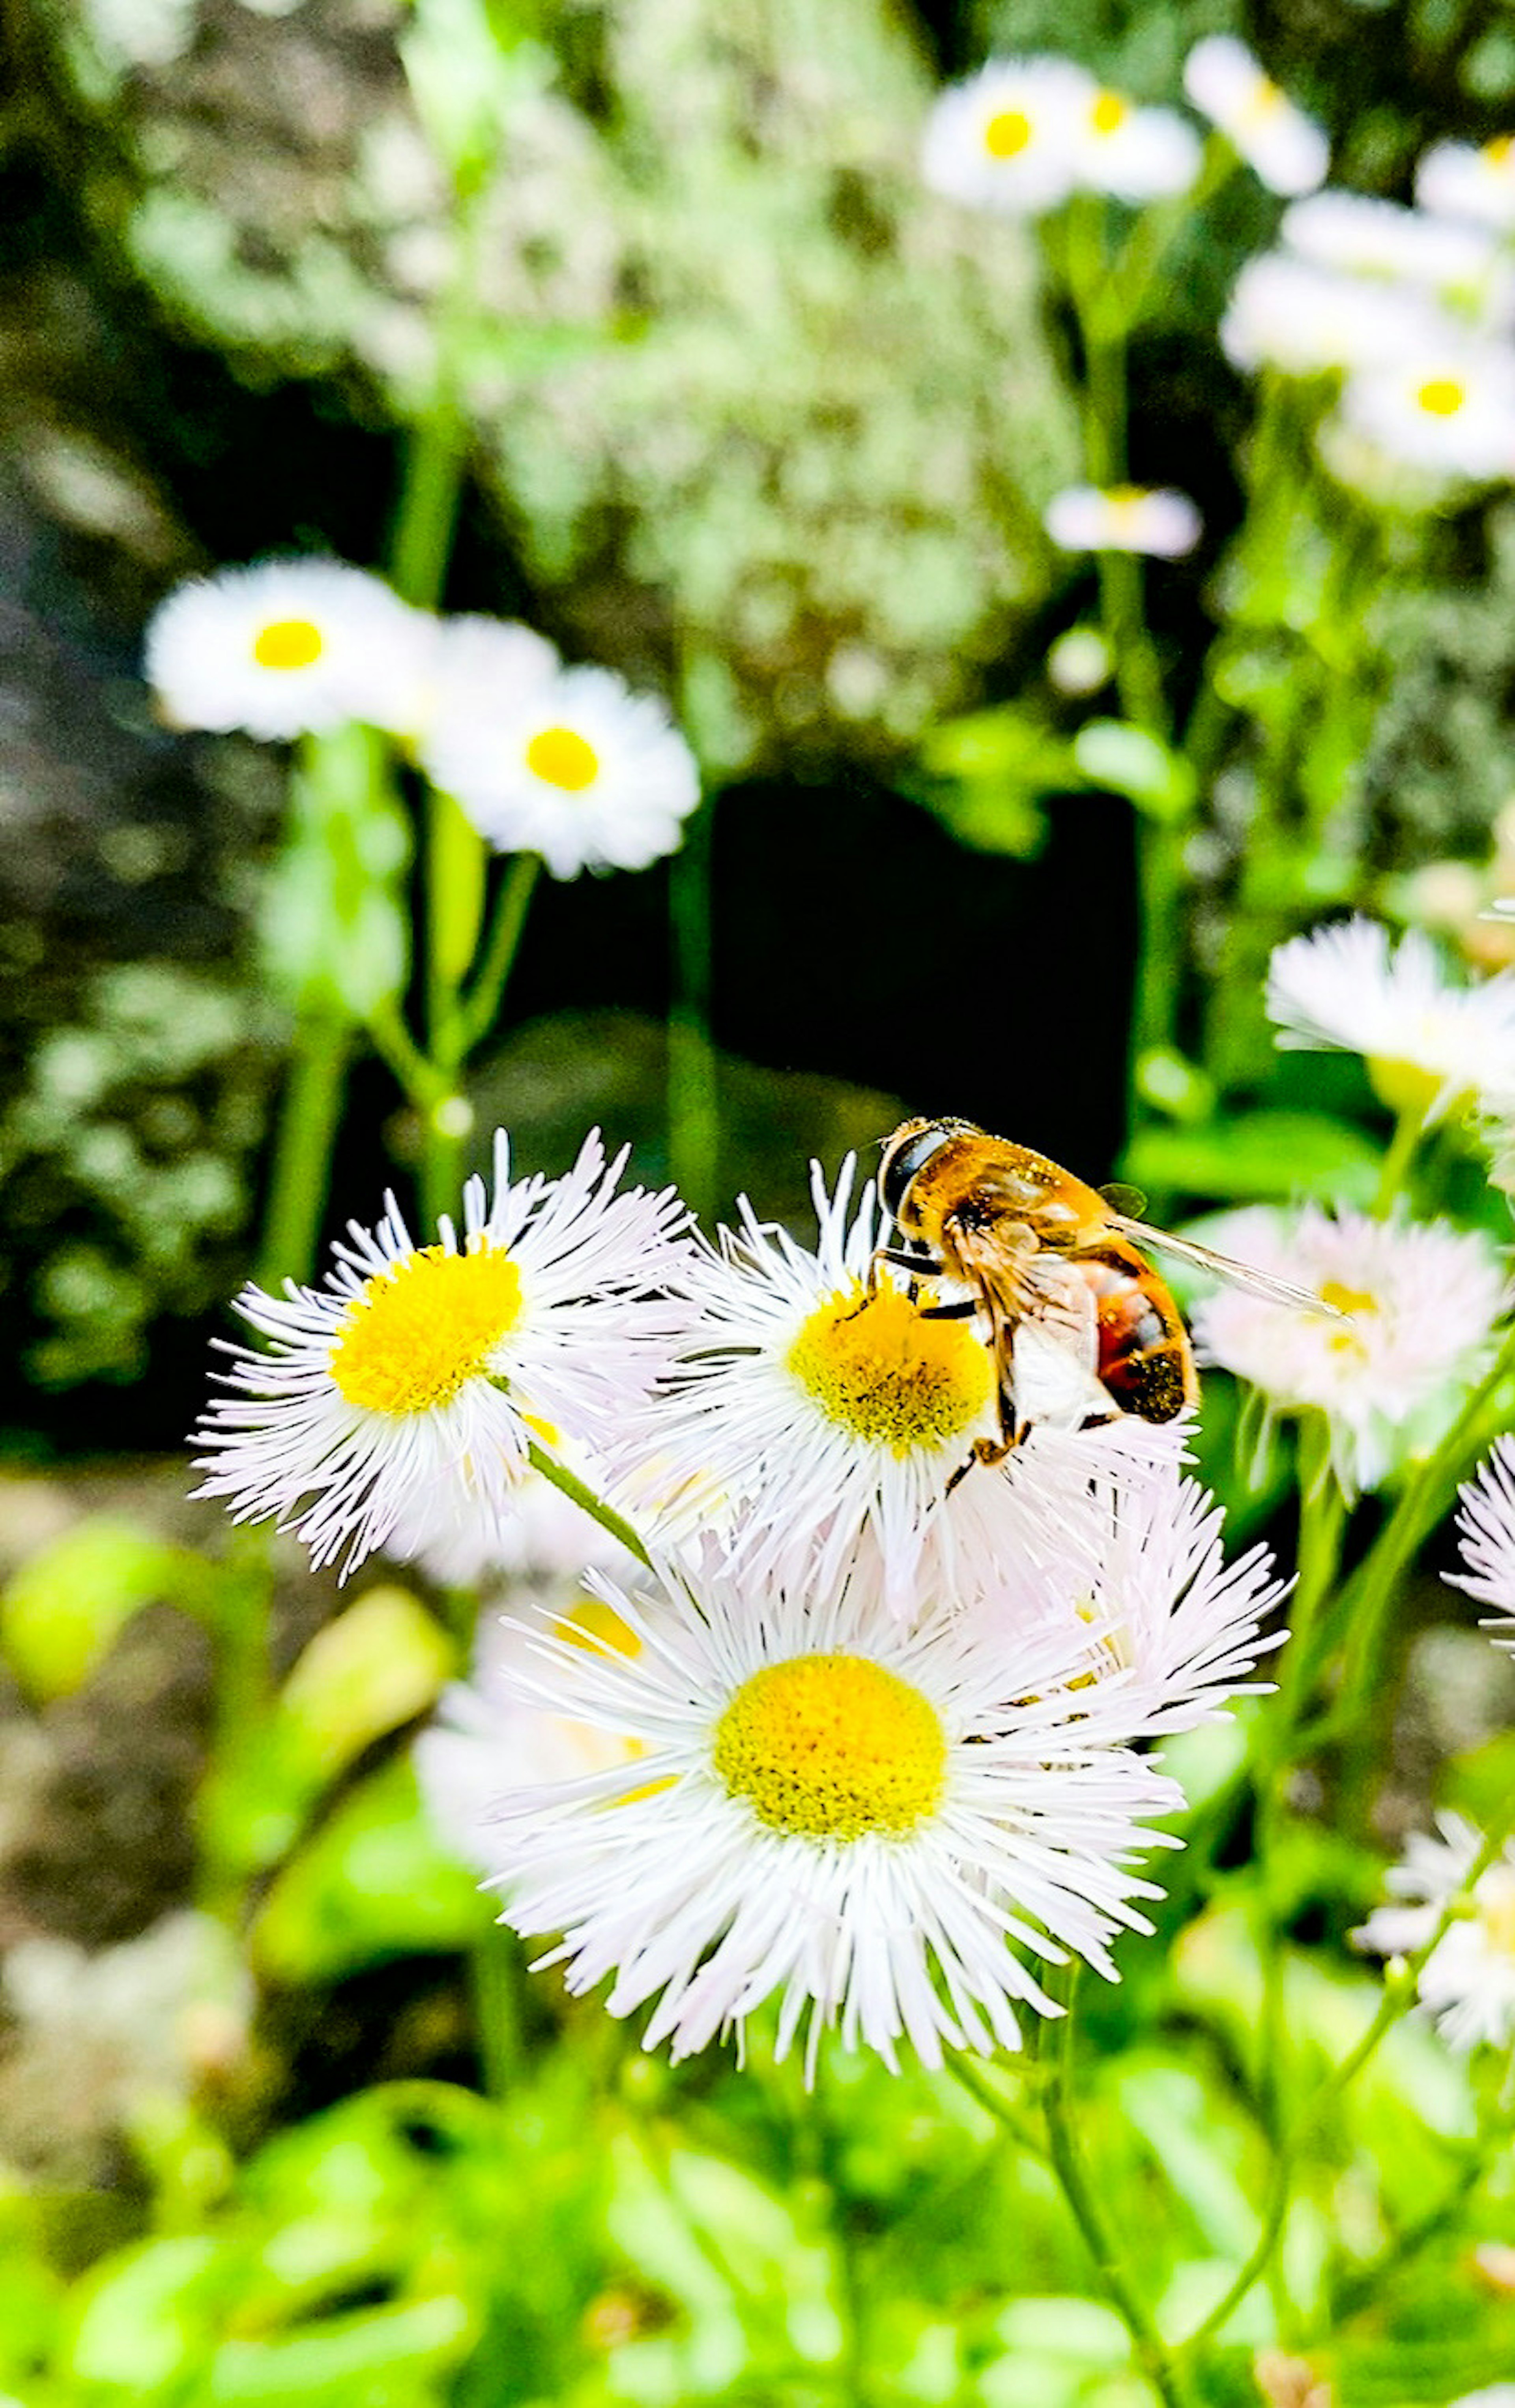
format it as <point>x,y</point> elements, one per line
<point>1457,180</point>
<point>1286,150</point>
<point>1006,139</point>
<point>1412,1327</point>
<point>548,1539</point>
<point>478,667</point>
<point>1123,518</point>
<point>1486,1528</point>
<point>1357,236</point>
<point>863,1823</point>
<point>573,767</point>
<point>1137,154</point>
<point>1448,410</point>
<point>404,1393</point>
<point>1428,1045</point>
<point>1286,313</point>
<point>288,648</point>
<point>1467,1983</point>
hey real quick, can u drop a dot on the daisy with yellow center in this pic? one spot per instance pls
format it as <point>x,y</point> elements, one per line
<point>1467,1983</point>
<point>1455,179</point>
<point>1445,409</point>
<point>1411,1328</point>
<point>838,1815</point>
<point>1155,520</point>
<point>1429,1045</point>
<point>1008,138</point>
<point>1137,154</point>
<point>568,763</point>
<point>400,1400</point>
<point>1286,150</point>
<point>289,648</point>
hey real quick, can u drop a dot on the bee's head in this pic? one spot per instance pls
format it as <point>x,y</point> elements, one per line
<point>906,1155</point>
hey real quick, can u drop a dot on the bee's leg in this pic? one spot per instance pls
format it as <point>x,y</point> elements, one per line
<point>960,1311</point>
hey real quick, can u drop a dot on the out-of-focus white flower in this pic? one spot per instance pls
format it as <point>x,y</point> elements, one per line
<point>1448,410</point>
<point>1080,661</point>
<point>1427,1044</point>
<point>548,1539</point>
<point>1286,313</point>
<point>1486,1528</point>
<point>1455,179</point>
<point>1138,154</point>
<point>478,667</point>
<point>1283,147</point>
<point>864,1821</point>
<point>1008,138</point>
<point>1467,1983</point>
<point>406,1393</point>
<point>1123,518</point>
<point>571,766</point>
<point>1357,236</point>
<point>1412,1327</point>
<point>288,648</point>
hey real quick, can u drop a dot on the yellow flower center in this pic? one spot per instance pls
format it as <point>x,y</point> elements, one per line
<point>833,1747</point>
<point>1006,134</point>
<point>424,1328</point>
<point>1348,1299</point>
<point>287,644</point>
<point>1497,1909</point>
<point>1263,101</point>
<point>561,757</point>
<point>890,1377</point>
<point>1441,396</point>
<point>1498,152</point>
<point>1109,112</point>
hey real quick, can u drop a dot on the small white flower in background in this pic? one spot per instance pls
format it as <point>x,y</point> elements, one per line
<point>1447,409</point>
<point>1137,154</point>
<point>1457,180</point>
<point>1346,232</point>
<point>1467,1983</point>
<point>477,665</point>
<point>289,648</point>
<point>1428,1045</point>
<point>1006,139</point>
<point>1286,150</point>
<point>548,1537</point>
<point>1123,518</point>
<point>1415,1309</point>
<point>1080,661</point>
<point>1486,1528</point>
<point>1288,314</point>
<point>573,767</point>
<point>375,1407</point>
<point>828,1809</point>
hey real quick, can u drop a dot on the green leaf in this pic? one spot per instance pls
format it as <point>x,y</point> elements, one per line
<point>1134,762</point>
<point>373,1883</point>
<point>1266,1156</point>
<point>62,1611</point>
<point>985,776</point>
<point>373,2361</point>
<point>379,1665</point>
<point>145,2316</point>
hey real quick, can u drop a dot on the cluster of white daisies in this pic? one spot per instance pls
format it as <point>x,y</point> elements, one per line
<point>837,1714</point>
<point>564,762</point>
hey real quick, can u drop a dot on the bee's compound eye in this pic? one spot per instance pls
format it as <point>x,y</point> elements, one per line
<point>908,1153</point>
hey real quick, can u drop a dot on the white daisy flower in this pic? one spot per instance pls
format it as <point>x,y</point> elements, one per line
<point>1447,409</point>
<point>1486,1528</point>
<point>548,1539</point>
<point>573,767</point>
<point>1137,154</point>
<point>1457,180</point>
<point>478,666</point>
<point>1426,1043</point>
<point>1413,1329</point>
<point>1467,1983</point>
<point>1286,150</point>
<point>815,1407</point>
<point>854,1819</point>
<point>1286,313</point>
<point>1008,138</point>
<point>288,648</point>
<point>1123,518</point>
<point>404,1395</point>
<point>1353,236</point>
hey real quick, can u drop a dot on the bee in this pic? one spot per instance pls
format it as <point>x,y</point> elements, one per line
<point>1038,1249</point>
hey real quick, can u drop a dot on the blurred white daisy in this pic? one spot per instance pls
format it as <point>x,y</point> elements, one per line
<point>1288,314</point>
<point>1428,1045</point>
<point>1448,408</point>
<point>288,648</point>
<point>1283,147</point>
<point>478,665</point>
<point>1123,518</point>
<point>1486,1530</point>
<point>1008,138</point>
<point>548,1539</point>
<point>1467,1983</point>
<point>406,1393</point>
<point>1356,235</point>
<point>1137,154</point>
<point>1459,180</point>
<point>1413,1324</point>
<point>855,1819</point>
<point>573,767</point>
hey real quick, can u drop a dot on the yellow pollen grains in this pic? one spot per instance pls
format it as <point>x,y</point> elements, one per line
<point>1006,134</point>
<point>1109,113</point>
<point>833,1747</point>
<point>876,1366</point>
<point>1441,396</point>
<point>424,1328</point>
<point>287,644</point>
<point>560,756</point>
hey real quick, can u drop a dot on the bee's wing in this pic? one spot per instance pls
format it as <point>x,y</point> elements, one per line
<point>1224,1266</point>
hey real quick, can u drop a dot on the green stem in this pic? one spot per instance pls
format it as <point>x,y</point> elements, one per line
<point>426,515</point>
<point>242,1682</point>
<point>1397,1159</point>
<point>482,1001</point>
<point>1362,2290</point>
<point>497,1993</point>
<point>693,1092</point>
<point>968,2077</point>
<point>595,1507</point>
<point>398,1050</point>
<point>310,1115</point>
